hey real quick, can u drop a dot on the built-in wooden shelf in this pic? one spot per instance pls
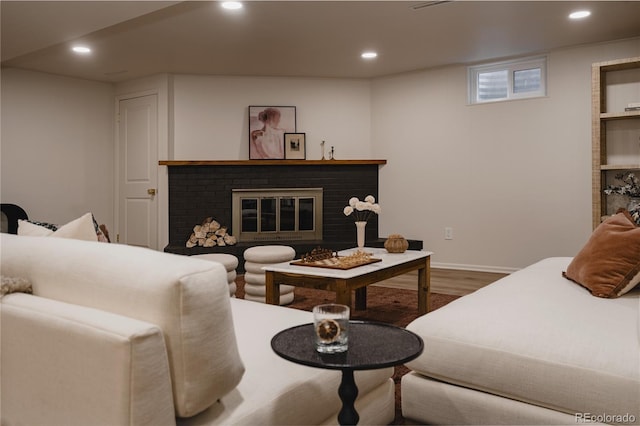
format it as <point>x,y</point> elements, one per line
<point>619,115</point>
<point>270,162</point>
<point>603,139</point>
<point>619,166</point>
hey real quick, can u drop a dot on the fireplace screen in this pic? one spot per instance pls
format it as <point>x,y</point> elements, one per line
<point>277,214</point>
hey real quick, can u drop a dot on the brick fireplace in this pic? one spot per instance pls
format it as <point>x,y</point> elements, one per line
<point>201,189</point>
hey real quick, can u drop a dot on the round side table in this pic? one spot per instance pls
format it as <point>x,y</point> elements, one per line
<point>372,345</point>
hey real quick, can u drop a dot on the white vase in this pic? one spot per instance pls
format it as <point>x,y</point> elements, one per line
<point>360,228</point>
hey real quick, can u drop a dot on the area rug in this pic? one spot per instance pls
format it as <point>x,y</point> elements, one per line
<point>389,305</point>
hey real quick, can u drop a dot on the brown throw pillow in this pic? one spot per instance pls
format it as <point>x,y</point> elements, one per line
<point>609,264</point>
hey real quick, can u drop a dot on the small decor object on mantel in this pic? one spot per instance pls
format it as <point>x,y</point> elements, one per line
<point>362,211</point>
<point>295,146</point>
<point>396,243</point>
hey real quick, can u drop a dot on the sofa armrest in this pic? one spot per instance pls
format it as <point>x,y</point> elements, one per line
<point>67,364</point>
<point>187,298</point>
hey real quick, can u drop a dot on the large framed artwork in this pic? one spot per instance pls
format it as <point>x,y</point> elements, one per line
<point>267,126</point>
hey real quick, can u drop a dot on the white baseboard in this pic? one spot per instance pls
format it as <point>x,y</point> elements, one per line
<point>475,268</point>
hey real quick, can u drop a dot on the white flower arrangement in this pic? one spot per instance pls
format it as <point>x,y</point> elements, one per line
<point>362,210</point>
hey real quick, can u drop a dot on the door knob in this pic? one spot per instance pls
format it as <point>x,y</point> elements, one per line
<point>151,191</point>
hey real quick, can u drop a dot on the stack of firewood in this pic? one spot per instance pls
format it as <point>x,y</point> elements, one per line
<point>209,234</point>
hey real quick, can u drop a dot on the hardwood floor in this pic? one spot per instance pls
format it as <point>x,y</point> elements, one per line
<point>446,281</point>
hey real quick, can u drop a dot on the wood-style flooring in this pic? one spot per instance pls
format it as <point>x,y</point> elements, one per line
<point>446,281</point>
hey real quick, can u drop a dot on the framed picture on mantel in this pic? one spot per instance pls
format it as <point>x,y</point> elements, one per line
<point>295,146</point>
<point>267,126</point>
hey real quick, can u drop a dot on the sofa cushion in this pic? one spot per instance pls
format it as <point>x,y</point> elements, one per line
<point>538,338</point>
<point>275,391</point>
<point>187,298</point>
<point>609,263</point>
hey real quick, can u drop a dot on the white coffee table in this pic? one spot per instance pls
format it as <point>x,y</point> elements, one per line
<point>343,281</point>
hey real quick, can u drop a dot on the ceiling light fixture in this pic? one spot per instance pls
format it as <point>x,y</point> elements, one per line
<point>580,14</point>
<point>369,55</point>
<point>82,50</point>
<point>232,5</point>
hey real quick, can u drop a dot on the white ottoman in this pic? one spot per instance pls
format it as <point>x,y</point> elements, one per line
<point>230,263</point>
<point>257,257</point>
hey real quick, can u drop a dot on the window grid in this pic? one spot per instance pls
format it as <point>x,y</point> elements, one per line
<point>501,81</point>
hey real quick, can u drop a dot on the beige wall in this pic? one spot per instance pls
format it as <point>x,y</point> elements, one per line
<point>513,179</point>
<point>210,114</point>
<point>57,146</point>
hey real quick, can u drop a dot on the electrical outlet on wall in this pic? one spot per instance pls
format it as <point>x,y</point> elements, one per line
<point>448,233</point>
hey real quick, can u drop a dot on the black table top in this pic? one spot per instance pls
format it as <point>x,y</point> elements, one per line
<point>372,345</point>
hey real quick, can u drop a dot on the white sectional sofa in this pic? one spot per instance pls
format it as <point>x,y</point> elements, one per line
<point>532,348</point>
<point>118,335</point>
<point>557,342</point>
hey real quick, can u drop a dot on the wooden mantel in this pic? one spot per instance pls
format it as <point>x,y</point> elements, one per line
<point>270,162</point>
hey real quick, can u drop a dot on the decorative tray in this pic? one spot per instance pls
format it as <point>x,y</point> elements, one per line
<point>325,258</point>
<point>334,263</point>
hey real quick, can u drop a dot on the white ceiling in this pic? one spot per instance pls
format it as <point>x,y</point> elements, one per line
<point>294,38</point>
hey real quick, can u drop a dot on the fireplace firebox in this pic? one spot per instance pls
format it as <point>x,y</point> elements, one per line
<point>277,214</point>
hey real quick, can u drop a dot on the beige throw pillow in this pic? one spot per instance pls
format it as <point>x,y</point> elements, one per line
<point>14,285</point>
<point>31,229</point>
<point>609,264</point>
<point>81,228</point>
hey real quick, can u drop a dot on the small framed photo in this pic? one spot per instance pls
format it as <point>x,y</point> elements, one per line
<point>267,126</point>
<point>295,146</point>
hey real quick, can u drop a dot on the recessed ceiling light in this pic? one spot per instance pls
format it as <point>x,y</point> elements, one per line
<point>369,55</point>
<point>82,50</point>
<point>232,5</point>
<point>580,14</point>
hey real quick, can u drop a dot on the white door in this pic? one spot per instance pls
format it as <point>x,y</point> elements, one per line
<point>138,171</point>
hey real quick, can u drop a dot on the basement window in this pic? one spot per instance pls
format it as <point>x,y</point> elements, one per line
<point>503,81</point>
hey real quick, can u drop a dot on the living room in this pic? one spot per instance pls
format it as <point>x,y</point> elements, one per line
<point>512,179</point>
<point>499,187</point>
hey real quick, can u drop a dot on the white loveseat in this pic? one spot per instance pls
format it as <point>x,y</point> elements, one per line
<point>118,335</point>
<point>532,348</point>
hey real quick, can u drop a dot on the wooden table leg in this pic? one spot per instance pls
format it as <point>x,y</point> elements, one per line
<point>343,293</point>
<point>361,299</point>
<point>272,289</point>
<point>424,287</point>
